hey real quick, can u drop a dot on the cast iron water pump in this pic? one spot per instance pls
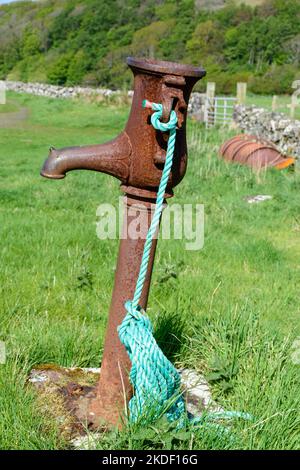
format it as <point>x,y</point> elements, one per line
<point>136,157</point>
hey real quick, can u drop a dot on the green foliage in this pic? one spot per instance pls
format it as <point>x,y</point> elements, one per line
<point>77,68</point>
<point>9,57</point>
<point>146,40</point>
<point>90,40</point>
<point>207,39</point>
<point>31,43</point>
<point>222,374</point>
<point>277,79</point>
<point>58,73</point>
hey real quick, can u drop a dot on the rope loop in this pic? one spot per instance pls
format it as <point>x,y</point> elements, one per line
<point>133,311</point>
<point>156,119</point>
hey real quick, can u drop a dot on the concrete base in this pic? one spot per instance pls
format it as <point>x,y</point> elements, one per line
<point>64,394</point>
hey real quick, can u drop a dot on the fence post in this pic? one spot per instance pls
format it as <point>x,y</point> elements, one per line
<point>225,112</point>
<point>209,102</point>
<point>294,98</point>
<point>241,92</point>
<point>2,92</point>
<point>293,106</point>
<point>274,102</point>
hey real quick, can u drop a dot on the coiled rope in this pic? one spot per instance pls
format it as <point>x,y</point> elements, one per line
<point>155,380</point>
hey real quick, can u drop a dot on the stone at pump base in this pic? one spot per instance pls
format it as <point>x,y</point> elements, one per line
<point>64,393</point>
<point>257,199</point>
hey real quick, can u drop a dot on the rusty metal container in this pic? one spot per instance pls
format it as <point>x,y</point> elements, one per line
<point>254,152</point>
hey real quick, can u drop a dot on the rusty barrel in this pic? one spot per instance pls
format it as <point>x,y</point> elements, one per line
<point>254,152</point>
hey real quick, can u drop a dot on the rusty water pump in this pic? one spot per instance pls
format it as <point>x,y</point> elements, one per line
<point>136,158</point>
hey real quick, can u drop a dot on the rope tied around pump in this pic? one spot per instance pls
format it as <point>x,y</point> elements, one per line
<point>154,378</point>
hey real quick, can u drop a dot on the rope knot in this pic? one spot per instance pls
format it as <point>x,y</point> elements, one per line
<point>155,117</point>
<point>136,314</point>
<point>131,310</point>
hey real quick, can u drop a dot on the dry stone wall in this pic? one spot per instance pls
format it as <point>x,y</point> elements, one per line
<point>54,91</point>
<point>196,104</point>
<point>276,127</point>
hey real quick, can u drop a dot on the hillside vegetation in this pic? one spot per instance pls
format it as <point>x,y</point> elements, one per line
<point>86,42</point>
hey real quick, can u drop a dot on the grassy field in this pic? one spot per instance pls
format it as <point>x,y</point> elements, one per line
<point>265,101</point>
<point>232,308</point>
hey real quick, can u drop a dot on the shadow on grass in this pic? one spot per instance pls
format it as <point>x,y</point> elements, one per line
<point>169,334</point>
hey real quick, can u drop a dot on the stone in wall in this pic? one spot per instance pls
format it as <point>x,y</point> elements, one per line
<point>196,107</point>
<point>276,127</point>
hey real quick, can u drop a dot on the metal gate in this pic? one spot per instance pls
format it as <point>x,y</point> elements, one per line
<point>219,110</point>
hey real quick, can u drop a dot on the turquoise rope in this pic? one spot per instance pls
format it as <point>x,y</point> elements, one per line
<point>164,127</point>
<point>155,380</point>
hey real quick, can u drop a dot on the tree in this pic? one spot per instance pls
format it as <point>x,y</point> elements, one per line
<point>58,72</point>
<point>292,50</point>
<point>146,40</point>
<point>207,39</point>
<point>31,43</point>
<point>77,68</point>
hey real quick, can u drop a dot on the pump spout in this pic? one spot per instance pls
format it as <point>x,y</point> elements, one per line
<point>111,158</point>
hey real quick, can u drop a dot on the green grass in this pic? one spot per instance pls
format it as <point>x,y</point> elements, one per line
<point>9,107</point>
<point>230,310</point>
<point>265,101</point>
